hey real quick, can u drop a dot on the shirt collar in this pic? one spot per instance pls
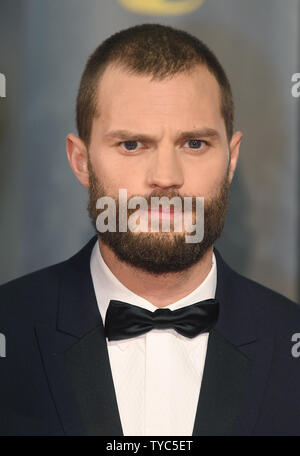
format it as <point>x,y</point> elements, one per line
<point>108,287</point>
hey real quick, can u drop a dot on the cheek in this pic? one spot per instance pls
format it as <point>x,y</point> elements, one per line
<point>205,175</point>
<point>118,174</point>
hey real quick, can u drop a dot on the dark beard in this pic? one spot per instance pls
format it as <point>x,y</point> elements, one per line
<point>161,253</point>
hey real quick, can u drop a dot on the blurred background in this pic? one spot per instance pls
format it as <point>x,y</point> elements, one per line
<point>44,45</point>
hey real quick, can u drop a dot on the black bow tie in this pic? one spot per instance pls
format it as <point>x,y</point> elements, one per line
<point>124,320</point>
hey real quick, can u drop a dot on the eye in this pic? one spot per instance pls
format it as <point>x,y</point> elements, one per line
<point>196,143</point>
<point>129,145</point>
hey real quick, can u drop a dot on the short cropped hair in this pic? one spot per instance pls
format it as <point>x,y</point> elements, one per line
<point>156,50</point>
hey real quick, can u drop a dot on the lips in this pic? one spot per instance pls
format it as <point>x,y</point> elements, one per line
<point>164,212</point>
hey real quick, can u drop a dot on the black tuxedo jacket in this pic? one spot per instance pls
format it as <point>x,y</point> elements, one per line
<point>56,377</point>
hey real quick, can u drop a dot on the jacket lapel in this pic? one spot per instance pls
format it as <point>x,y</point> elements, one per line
<point>88,366</point>
<point>75,355</point>
<point>237,363</point>
<point>76,359</point>
<point>225,376</point>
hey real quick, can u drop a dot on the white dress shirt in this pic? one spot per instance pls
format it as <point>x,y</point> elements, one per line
<point>157,376</point>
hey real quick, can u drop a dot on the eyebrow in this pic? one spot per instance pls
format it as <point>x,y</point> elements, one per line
<point>192,134</point>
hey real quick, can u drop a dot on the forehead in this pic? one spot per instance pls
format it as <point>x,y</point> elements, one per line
<point>184,98</point>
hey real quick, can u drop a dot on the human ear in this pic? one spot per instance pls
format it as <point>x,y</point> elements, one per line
<point>78,158</point>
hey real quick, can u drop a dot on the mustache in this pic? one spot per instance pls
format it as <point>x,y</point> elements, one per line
<point>170,194</point>
<point>157,194</point>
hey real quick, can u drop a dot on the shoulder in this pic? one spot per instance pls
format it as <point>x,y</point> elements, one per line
<point>35,296</point>
<point>268,302</point>
<point>272,311</point>
<point>31,295</point>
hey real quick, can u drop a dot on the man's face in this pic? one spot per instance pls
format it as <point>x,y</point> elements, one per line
<point>156,138</point>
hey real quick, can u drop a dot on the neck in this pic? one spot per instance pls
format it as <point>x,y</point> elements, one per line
<point>159,289</point>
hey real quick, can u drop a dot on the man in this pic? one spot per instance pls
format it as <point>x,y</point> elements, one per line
<point>142,332</point>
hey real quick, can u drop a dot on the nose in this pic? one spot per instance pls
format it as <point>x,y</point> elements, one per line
<point>165,170</point>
